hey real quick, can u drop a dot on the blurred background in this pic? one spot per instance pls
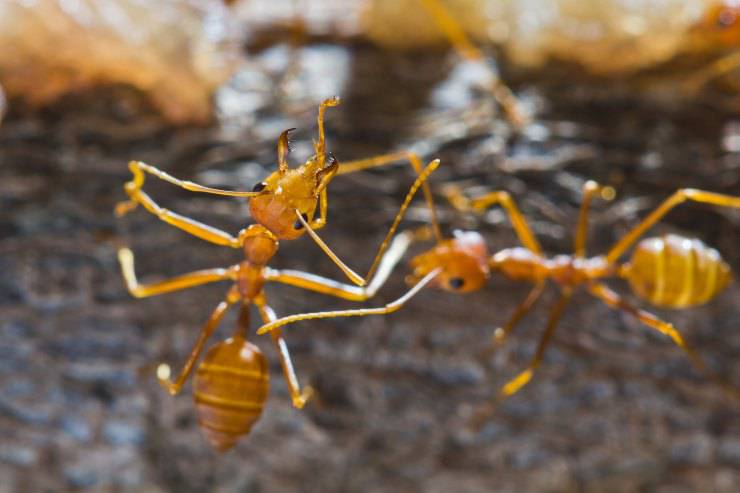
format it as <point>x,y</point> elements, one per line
<point>643,96</point>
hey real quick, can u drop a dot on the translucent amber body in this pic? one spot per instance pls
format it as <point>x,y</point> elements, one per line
<point>230,389</point>
<point>676,272</point>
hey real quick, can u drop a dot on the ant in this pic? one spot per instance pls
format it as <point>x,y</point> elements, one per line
<point>671,271</point>
<point>231,382</point>
<point>457,37</point>
<point>720,26</point>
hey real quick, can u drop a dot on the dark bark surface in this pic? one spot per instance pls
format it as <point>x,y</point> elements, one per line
<point>614,407</point>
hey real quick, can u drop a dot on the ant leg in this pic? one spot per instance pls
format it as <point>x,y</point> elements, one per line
<point>462,44</point>
<point>502,332</point>
<point>184,281</point>
<point>479,204</point>
<point>298,396</point>
<point>164,371</point>
<point>353,276</point>
<point>680,196</point>
<point>191,226</point>
<point>320,145</point>
<point>138,169</point>
<point>613,300</point>
<point>360,312</point>
<point>515,384</point>
<point>384,159</point>
<point>589,189</point>
<point>717,68</point>
<point>330,287</point>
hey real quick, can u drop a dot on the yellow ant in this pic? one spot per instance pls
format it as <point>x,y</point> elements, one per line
<point>671,271</point>
<point>447,23</point>
<point>720,25</point>
<point>231,382</point>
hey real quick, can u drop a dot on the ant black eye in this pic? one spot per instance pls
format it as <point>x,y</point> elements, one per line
<point>457,282</point>
<point>726,19</point>
<point>259,187</point>
<point>298,224</point>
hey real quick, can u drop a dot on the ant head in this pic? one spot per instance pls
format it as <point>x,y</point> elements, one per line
<point>463,260</point>
<point>288,192</point>
<point>721,23</point>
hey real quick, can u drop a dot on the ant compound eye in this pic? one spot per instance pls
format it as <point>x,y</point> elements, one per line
<point>259,187</point>
<point>298,224</point>
<point>726,19</point>
<point>457,282</point>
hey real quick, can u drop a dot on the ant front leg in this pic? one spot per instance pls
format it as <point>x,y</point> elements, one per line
<point>191,226</point>
<point>203,231</point>
<point>164,371</point>
<point>319,284</point>
<point>184,281</point>
<point>298,396</point>
<point>360,312</point>
<point>459,201</point>
<point>679,197</point>
<point>613,300</point>
<point>353,276</point>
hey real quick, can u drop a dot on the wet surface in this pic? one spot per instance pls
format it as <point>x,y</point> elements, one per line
<point>613,407</point>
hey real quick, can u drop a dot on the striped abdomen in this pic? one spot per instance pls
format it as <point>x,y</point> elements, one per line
<point>676,272</point>
<point>230,389</point>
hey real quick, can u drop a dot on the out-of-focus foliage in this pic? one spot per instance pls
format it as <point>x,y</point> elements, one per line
<point>605,36</point>
<point>177,51</point>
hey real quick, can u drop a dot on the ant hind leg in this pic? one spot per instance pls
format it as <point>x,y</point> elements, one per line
<point>613,300</point>
<point>679,197</point>
<point>164,371</point>
<point>298,396</point>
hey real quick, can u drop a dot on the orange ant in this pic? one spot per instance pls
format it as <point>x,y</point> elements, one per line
<point>671,271</point>
<point>231,382</point>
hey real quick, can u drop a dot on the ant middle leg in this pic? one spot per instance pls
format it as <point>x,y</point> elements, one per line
<point>613,300</point>
<point>459,201</point>
<point>679,197</point>
<point>164,371</point>
<point>515,385</point>
<point>298,396</point>
<point>501,333</point>
<point>184,281</point>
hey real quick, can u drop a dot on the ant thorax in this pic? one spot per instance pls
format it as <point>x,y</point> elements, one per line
<point>521,264</point>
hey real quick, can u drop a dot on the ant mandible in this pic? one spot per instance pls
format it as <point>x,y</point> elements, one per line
<point>231,382</point>
<point>671,271</point>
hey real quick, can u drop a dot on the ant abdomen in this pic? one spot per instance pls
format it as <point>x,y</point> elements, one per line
<point>676,272</point>
<point>230,389</point>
